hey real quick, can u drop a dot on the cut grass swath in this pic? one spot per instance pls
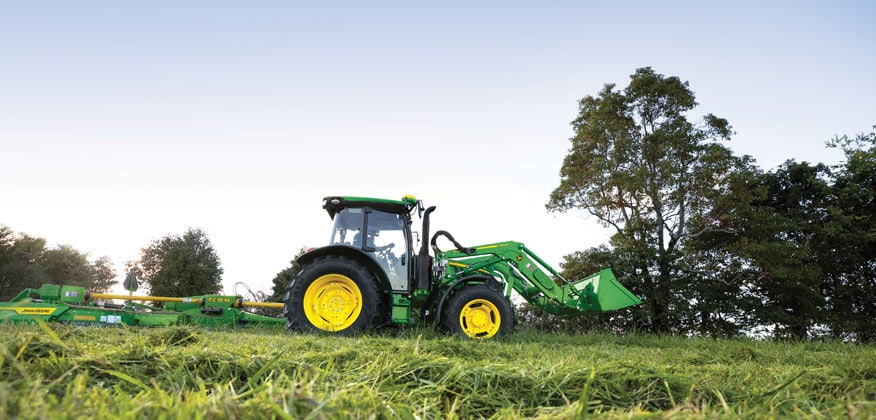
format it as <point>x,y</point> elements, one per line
<point>199,373</point>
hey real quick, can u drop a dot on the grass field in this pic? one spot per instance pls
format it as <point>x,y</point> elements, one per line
<point>64,371</point>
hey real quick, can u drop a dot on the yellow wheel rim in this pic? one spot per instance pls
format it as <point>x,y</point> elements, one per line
<point>480,318</point>
<point>332,302</point>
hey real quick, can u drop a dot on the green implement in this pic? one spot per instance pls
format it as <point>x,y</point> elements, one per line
<point>376,270</point>
<point>54,303</point>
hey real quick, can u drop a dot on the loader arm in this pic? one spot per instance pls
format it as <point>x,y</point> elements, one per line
<point>523,271</point>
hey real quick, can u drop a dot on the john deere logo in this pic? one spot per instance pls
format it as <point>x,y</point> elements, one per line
<point>31,311</point>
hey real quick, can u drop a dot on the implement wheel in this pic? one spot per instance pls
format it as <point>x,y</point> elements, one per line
<point>479,312</point>
<point>333,294</point>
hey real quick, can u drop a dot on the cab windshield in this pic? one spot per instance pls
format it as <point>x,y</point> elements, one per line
<point>379,233</point>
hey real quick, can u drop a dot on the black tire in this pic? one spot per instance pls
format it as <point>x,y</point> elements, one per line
<point>333,294</point>
<point>478,312</point>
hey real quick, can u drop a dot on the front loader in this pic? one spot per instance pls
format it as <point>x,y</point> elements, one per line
<point>370,275</point>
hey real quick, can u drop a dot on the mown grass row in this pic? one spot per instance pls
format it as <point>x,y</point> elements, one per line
<point>180,372</point>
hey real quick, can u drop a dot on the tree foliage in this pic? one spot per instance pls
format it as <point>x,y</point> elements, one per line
<point>26,262</point>
<point>804,247</point>
<point>184,265</point>
<point>776,236</point>
<point>20,258</point>
<point>851,241</point>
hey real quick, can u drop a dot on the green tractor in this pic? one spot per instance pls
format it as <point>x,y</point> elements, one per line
<point>371,275</point>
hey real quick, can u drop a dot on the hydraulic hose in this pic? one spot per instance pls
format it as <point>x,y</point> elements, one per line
<point>447,235</point>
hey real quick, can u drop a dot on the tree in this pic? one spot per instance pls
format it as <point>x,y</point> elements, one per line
<point>851,277</point>
<point>802,243</point>
<point>642,169</point>
<point>779,236</point>
<point>184,265</point>
<point>26,262</point>
<point>20,257</point>
<point>65,265</point>
<point>282,279</point>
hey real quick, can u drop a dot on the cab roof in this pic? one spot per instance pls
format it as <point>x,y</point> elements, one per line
<point>334,204</point>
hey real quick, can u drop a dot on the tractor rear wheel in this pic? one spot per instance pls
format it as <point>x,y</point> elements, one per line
<point>479,312</point>
<point>333,294</point>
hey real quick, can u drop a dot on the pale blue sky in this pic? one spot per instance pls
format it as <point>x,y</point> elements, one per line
<point>121,122</point>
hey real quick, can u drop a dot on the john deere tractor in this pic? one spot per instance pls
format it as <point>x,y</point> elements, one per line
<point>370,275</point>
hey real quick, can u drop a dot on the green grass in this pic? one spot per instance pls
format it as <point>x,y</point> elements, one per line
<point>63,371</point>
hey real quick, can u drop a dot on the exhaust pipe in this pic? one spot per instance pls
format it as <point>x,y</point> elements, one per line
<point>423,267</point>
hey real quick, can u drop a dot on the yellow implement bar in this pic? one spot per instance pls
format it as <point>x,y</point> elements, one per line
<point>152,298</point>
<point>237,304</point>
<point>263,305</point>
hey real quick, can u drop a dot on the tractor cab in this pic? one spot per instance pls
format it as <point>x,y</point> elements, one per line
<point>379,228</point>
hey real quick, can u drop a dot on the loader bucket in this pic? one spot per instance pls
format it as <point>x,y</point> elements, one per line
<point>600,292</point>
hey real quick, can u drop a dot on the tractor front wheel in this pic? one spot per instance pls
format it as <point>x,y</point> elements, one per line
<point>333,294</point>
<point>479,312</point>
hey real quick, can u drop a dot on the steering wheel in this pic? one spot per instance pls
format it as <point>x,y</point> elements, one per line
<point>385,248</point>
